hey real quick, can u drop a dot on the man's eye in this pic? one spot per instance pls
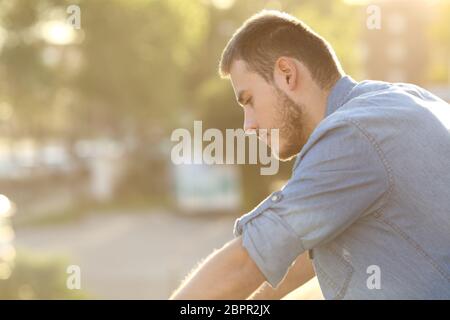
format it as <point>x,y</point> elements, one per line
<point>249,102</point>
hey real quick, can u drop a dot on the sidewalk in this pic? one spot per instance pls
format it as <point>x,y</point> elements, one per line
<point>133,255</point>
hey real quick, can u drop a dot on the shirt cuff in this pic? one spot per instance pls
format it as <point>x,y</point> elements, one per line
<point>270,243</point>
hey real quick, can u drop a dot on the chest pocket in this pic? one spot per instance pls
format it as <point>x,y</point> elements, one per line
<point>333,271</point>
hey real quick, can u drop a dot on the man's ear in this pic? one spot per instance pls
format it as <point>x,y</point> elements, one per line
<point>286,73</point>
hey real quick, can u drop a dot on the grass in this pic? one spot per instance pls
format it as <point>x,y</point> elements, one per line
<point>39,276</point>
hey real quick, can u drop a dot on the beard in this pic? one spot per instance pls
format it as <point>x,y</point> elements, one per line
<point>292,124</point>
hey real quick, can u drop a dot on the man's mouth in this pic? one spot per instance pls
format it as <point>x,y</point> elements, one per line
<point>264,136</point>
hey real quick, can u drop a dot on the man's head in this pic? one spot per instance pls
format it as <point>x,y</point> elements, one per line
<point>281,72</point>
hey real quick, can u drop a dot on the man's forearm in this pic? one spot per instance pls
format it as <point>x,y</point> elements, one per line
<point>228,273</point>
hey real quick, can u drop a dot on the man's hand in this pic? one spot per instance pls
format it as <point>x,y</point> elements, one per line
<point>228,273</point>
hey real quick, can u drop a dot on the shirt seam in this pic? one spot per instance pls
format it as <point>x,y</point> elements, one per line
<point>339,290</point>
<point>350,270</point>
<point>414,244</point>
<point>384,161</point>
<point>379,213</point>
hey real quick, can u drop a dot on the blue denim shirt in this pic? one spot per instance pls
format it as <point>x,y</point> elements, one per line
<point>370,189</point>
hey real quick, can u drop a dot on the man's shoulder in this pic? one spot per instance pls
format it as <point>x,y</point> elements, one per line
<point>363,112</point>
<point>337,134</point>
<point>372,102</point>
<point>374,109</point>
<point>367,95</point>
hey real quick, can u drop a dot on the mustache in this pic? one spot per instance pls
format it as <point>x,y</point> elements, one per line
<point>260,132</point>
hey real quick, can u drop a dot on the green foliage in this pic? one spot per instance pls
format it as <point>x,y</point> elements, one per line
<point>339,24</point>
<point>38,277</point>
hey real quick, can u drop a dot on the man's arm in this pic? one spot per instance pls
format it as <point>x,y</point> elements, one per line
<point>300,273</point>
<point>228,273</point>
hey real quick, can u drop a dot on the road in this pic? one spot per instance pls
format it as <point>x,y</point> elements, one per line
<point>140,255</point>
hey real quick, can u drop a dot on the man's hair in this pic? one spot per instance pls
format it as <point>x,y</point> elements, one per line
<point>270,34</point>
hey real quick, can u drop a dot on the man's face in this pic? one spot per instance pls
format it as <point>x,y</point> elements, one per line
<point>268,107</point>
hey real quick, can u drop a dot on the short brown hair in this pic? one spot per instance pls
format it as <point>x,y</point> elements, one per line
<point>269,34</point>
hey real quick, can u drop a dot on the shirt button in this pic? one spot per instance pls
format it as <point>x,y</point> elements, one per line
<point>275,198</point>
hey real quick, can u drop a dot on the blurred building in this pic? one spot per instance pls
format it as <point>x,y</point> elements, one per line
<point>398,51</point>
<point>203,188</point>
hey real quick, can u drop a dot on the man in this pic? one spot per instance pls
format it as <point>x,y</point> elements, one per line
<point>368,202</point>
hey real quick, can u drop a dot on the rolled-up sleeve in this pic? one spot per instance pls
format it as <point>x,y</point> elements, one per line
<point>339,177</point>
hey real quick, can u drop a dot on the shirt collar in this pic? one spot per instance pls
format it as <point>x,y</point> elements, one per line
<point>339,93</point>
<point>337,97</point>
